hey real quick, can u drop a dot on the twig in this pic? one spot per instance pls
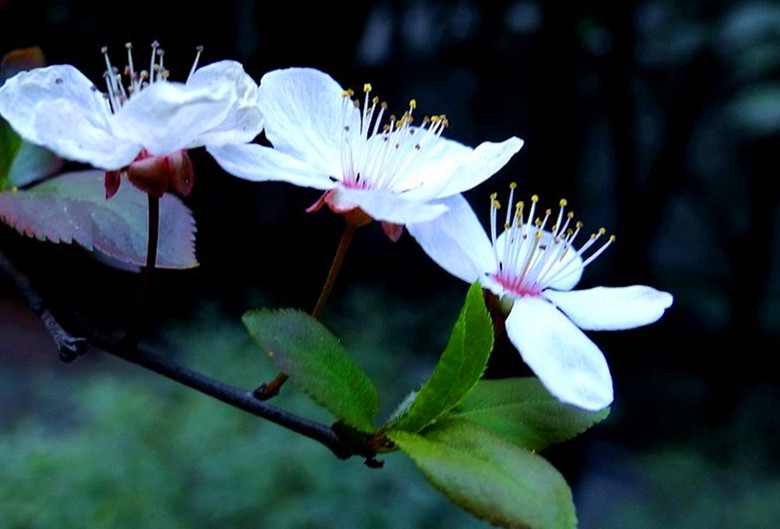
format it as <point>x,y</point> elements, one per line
<point>270,389</point>
<point>71,346</point>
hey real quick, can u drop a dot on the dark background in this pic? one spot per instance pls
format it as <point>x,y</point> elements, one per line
<point>656,119</point>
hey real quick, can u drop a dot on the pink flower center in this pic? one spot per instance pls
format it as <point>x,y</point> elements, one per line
<point>531,257</point>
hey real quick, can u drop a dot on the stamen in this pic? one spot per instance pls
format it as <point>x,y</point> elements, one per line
<point>198,51</point>
<point>533,258</point>
<point>153,61</point>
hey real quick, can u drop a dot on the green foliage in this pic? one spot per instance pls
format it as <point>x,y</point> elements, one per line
<point>523,412</point>
<point>73,208</point>
<point>317,363</point>
<point>495,480</point>
<point>106,445</point>
<point>460,367</point>
<point>10,145</point>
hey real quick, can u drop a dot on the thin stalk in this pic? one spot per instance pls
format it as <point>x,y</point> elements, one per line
<point>271,389</point>
<point>146,274</point>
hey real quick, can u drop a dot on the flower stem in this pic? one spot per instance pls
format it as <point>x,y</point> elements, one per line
<point>146,274</point>
<point>335,268</point>
<point>271,389</point>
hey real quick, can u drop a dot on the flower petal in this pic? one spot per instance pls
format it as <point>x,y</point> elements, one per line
<point>569,365</point>
<point>611,309</point>
<point>244,120</point>
<point>482,163</point>
<point>60,108</point>
<point>303,111</point>
<point>456,240</point>
<point>262,164</point>
<point>168,116</point>
<point>385,206</point>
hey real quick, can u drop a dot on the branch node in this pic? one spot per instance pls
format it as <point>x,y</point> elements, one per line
<point>372,462</point>
<point>265,392</point>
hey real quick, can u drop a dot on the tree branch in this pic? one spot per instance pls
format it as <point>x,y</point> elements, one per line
<point>71,346</point>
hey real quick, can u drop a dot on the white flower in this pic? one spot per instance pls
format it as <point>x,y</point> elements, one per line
<point>533,268</point>
<point>147,116</point>
<point>323,139</point>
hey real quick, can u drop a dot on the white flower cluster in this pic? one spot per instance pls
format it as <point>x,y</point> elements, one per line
<point>382,167</point>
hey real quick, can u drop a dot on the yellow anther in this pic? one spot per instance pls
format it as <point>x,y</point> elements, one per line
<point>413,104</point>
<point>548,212</point>
<point>512,185</point>
<point>563,203</point>
<point>375,100</point>
<point>538,222</point>
<point>493,196</point>
<point>602,231</point>
<point>14,189</point>
<point>579,225</point>
<point>435,119</point>
<point>345,93</point>
<point>367,87</point>
<point>538,234</point>
<point>534,198</point>
<point>497,204</point>
<point>570,215</point>
<point>383,105</point>
<point>612,238</point>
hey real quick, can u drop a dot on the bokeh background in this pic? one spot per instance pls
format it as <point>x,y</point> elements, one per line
<point>658,119</point>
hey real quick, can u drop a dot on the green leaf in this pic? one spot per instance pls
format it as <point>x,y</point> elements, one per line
<point>523,412</point>
<point>490,478</point>
<point>10,145</point>
<point>460,367</point>
<point>72,207</point>
<point>317,363</point>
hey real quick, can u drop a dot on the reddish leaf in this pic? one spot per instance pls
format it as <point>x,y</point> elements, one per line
<point>73,208</point>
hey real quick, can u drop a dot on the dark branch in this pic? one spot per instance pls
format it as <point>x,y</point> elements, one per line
<point>71,346</point>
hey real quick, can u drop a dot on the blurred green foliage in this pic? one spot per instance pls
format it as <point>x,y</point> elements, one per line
<point>112,446</point>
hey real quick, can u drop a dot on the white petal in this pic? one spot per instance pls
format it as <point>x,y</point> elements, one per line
<point>167,116</point>
<point>386,206</point>
<point>569,365</point>
<point>58,107</point>
<point>456,241</point>
<point>431,166</point>
<point>303,114</point>
<point>262,164</point>
<point>22,93</point>
<point>244,120</point>
<point>484,161</point>
<point>611,309</point>
<point>63,128</point>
